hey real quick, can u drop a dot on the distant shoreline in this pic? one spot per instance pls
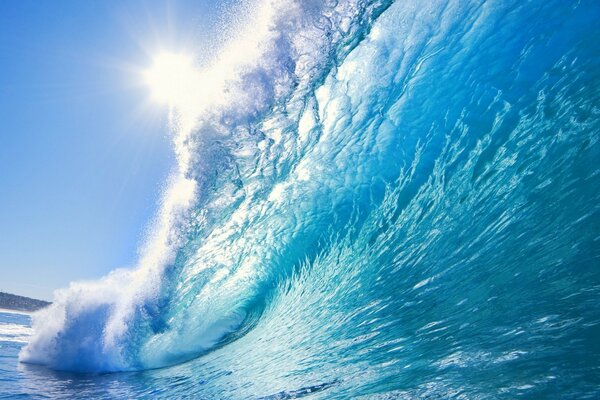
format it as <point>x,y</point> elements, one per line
<point>21,304</point>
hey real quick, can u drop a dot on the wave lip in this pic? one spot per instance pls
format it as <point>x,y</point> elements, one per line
<point>232,143</point>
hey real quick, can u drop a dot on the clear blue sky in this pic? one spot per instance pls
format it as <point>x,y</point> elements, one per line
<point>83,155</point>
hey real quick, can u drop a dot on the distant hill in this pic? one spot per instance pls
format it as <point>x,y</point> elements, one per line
<point>20,303</point>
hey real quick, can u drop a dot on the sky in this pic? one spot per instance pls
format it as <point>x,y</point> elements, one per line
<point>84,152</point>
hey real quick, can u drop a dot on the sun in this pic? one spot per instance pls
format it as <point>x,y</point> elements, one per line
<point>171,78</point>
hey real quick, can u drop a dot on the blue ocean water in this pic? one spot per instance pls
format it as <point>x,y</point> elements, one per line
<point>386,200</point>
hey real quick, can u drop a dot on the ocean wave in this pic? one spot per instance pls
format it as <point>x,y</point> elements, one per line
<point>166,311</point>
<point>384,193</point>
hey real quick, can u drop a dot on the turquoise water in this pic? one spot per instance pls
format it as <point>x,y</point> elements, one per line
<point>388,200</point>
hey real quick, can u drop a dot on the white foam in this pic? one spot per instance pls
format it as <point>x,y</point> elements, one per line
<point>15,333</point>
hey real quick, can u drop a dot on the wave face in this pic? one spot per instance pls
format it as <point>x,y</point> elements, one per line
<point>380,197</point>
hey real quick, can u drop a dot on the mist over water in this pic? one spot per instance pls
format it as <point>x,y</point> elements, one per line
<point>373,198</point>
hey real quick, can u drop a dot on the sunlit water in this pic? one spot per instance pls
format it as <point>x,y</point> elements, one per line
<point>387,200</point>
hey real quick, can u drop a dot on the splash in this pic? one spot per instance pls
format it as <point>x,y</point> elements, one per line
<point>389,196</point>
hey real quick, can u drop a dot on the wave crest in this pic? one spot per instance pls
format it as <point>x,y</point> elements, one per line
<point>202,269</point>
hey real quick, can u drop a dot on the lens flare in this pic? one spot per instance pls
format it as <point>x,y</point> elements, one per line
<point>170,78</point>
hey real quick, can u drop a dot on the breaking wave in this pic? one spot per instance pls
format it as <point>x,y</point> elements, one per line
<point>383,196</point>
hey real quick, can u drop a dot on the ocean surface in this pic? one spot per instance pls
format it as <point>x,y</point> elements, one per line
<point>373,200</point>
